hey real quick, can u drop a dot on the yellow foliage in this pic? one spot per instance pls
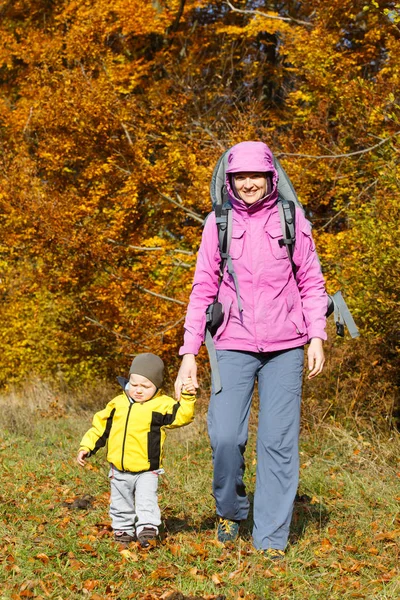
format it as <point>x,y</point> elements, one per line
<point>112,116</point>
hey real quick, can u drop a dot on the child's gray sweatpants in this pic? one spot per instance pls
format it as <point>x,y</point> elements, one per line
<point>279,377</point>
<point>134,500</point>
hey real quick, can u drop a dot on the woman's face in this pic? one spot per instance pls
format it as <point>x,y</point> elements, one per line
<point>250,186</point>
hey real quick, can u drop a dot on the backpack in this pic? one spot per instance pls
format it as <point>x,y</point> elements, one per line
<point>288,203</point>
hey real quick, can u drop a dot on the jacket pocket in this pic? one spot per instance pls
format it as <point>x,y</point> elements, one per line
<point>295,315</point>
<point>237,243</point>
<point>273,236</point>
<point>227,304</point>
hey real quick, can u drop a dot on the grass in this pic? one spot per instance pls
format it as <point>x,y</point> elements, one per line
<point>344,540</point>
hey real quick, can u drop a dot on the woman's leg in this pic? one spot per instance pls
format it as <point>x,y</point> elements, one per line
<point>228,418</point>
<point>279,386</point>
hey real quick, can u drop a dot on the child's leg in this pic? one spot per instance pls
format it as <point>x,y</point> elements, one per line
<point>122,511</point>
<point>146,501</point>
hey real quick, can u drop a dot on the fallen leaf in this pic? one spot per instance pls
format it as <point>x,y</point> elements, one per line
<point>43,557</point>
<point>90,584</point>
<point>135,574</point>
<point>216,580</point>
<point>388,535</point>
<point>174,549</point>
<point>269,573</point>
<point>163,573</point>
<point>388,576</point>
<point>129,555</point>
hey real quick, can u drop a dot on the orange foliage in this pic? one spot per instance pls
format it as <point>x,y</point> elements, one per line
<point>111,118</point>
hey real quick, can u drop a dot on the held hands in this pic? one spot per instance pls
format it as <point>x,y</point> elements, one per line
<point>187,371</point>
<point>316,357</point>
<point>80,459</point>
<point>188,386</point>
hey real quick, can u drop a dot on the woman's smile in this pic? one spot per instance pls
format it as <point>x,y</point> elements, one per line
<point>251,187</point>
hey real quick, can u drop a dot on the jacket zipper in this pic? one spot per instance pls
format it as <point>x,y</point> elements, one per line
<point>123,443</point>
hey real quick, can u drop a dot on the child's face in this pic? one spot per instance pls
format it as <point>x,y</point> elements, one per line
<point>141,389</point>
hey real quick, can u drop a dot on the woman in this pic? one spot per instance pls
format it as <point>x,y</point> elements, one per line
<point>263,340</point>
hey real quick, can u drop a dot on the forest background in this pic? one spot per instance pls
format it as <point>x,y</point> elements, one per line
<point>112,116</point>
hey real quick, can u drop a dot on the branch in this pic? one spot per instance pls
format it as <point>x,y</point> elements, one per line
<point>347,205</point>
<point>262,14</point>
<point>128,137</point>
<point>159,295</point>
<point>180,263</point>
<point>161,333</point>
<point>28,120</point>
<point>174,26</point>
<point>209,133</point>
<point>98,324</point>
<point>331,156</point>
<point>192,214</point>
<point>146,249</point>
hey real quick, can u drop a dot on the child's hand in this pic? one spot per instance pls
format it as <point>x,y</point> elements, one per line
<point>188,386</point>
<point>81,457</point>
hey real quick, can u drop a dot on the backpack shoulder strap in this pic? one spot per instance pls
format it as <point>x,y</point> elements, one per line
<point>224,221</point>
<point>287,215</point>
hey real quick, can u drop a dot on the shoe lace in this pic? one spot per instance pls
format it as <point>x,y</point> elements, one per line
<point>226,525</point>
<point>274,553</point>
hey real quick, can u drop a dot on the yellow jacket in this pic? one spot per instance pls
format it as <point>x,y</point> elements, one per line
<point>136,431</point>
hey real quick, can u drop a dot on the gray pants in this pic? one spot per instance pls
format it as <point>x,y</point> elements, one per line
<point>134,500</point>
<point>279,377</point>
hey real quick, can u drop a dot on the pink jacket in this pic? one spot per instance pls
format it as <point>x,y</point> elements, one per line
<point>279,310</point>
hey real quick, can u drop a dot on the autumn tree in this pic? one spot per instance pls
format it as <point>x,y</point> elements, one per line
<point>111,118</point>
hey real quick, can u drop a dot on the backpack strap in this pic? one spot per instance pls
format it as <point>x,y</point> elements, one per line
<point>224,221</point>
<point>287,215</point>
<point>343,316</point>
<point>212,356</point>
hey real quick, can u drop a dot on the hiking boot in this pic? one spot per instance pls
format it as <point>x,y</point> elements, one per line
<point>146,536</point>
<point>274,554</point>
<point>123,537</point>
<point>227,530</point>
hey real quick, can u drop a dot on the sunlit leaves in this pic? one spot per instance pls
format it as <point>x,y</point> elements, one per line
<point>110,124</point>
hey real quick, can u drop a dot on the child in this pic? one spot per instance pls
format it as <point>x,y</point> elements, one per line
<point>134,425</point>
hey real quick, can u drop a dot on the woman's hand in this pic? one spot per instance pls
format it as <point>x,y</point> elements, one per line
<point>188,387</point>
<point>187,371</point>
<point>316,357</point>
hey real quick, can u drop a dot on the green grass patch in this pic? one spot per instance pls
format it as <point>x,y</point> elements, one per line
<point>344,541</point>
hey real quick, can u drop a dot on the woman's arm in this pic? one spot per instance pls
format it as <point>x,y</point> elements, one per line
<point>204,291</point>
<point>204,288</point>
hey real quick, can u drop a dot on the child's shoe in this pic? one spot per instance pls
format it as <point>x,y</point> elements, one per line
<point>228,530</point>
<point>123,537</point>
<point>146,536</point>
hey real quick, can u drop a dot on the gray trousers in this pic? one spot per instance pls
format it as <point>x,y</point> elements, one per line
<point>279,377</point>
<point>134,500</point>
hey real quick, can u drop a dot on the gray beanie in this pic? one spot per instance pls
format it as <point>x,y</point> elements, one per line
<point>148,365</point>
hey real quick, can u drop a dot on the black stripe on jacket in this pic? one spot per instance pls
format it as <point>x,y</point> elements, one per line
<point>104,436</point>
<point>158,420</point>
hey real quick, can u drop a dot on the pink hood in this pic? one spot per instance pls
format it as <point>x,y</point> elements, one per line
<point>252,157</point>
<point>279,310</point>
